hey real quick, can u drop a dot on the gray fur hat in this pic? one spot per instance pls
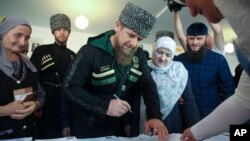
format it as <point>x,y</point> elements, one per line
<point>162,33</point>
<point>137,19</point>
<point>58,21</point>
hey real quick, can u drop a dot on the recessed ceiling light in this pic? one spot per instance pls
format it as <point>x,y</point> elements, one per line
<point>81,22</point>
<point>229,48</point>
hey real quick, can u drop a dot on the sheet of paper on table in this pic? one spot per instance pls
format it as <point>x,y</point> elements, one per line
<point>60,139</point>
<point>142,137</point>
<point>171,137</point>
<point>19,139</point>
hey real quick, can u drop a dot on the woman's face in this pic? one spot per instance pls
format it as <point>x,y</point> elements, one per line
<point>162,57</point>
<point>16,39</point>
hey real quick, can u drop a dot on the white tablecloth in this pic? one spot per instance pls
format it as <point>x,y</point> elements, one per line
<point>171,137</point>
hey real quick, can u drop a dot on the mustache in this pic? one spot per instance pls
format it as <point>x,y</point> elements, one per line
<point>124,58</point>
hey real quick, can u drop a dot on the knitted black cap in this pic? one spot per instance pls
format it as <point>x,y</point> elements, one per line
<point>197,29</point>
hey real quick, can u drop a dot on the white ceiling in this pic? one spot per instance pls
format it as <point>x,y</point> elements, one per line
<point>101,13</point>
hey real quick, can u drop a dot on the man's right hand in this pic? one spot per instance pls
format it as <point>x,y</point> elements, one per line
<point>118,107</point>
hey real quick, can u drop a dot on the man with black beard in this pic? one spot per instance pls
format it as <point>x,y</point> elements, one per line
<point>104,71</point>
<point>51,62</point>
<point>212,81</point>
<point>196,55</point>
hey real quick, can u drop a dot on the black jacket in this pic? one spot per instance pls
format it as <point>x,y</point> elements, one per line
<point>92,81</point>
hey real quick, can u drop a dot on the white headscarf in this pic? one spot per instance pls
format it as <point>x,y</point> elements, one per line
<point>5,65</point>
<point>171,79</point>
<point>166,42</point>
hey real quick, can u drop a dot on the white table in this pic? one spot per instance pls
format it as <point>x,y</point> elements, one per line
<point>142,137</point>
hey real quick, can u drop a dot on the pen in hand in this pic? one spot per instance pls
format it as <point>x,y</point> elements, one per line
<point>119,99</point>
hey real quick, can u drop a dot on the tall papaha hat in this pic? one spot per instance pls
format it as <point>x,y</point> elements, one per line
<point>60,21</point>
<point>162,33</point>
<point>197,29</point>
<point>137,19</point>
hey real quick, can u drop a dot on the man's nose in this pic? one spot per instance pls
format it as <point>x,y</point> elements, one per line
<point>134,42</point>
<point>195,41</point>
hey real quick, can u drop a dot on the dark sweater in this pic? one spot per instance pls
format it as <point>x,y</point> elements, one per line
<point>12,128</point>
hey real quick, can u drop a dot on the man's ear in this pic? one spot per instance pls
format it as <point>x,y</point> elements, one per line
<point>118,26</point>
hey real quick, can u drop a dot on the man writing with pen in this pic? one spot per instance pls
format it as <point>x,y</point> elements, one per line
<point>129,108</point>
<point>111,63</point>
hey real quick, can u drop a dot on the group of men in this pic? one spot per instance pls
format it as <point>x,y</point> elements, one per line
<point>109,65</point>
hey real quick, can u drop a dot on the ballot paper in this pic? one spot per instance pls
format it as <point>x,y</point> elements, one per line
<point>19,139</point>
<point>60,139</point>
<point>143,137</point>
<point>107,138</point>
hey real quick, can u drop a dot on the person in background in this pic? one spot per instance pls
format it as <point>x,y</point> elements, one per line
<point>162,33</point>
<point>236,109</point>
<point>105,70</point>
<point>215,43</point>
<point>52,61</point>
<point>18,76</point>
<point>173,82</point>
<point>211,79</point>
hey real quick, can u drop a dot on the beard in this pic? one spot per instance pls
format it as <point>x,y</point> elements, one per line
<point>61,41</point>
<point>124,56</point>
<point>196,55</point>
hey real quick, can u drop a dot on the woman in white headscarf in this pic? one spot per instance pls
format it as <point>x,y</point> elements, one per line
<point>18,79</point>
<point>173,83</point>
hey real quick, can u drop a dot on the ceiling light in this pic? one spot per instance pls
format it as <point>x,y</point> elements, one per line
<point>229,48</point>
<point>81,22</point>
